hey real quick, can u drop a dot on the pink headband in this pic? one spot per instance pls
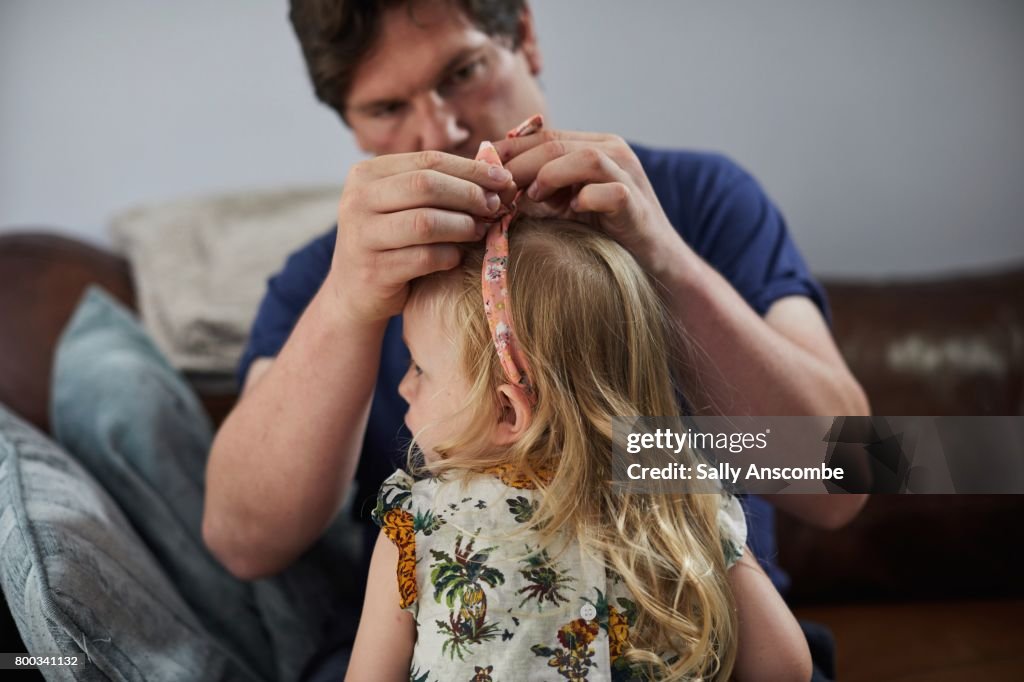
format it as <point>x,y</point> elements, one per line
<point>494,277</point>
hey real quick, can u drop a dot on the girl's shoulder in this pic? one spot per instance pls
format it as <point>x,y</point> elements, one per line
<point>395,493</point>
<point>494,493</point>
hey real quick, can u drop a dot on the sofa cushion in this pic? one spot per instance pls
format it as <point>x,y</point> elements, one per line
<point>78,578</point>
<point>79,581</point>
<point>201,264</point>
<point>130,419</point>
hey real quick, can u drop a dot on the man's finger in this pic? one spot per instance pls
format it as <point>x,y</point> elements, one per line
<point>478,172</point>
<point>429,189</point>
<point>579,167</point>
<point>610,198</point>
<point>527,165</point>
<point>424,226</point>
<point>406,264</point>
<point>511,147</point>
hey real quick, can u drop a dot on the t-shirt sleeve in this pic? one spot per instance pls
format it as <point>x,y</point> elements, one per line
<point>746,239</point>
<point>725,216</point>
<point>394,515</point>
<point>288,293</point>
<point>732,525</point>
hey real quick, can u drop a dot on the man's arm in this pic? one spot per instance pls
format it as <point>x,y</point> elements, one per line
<point>257,369</point>
<point>284,459</point>
<point>783,364</point>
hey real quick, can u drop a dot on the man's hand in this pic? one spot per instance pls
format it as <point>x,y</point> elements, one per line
<point>594,178</point>
<point>400,217</point>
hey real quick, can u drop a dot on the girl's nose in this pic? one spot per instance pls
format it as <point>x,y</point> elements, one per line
<point>404,388</point>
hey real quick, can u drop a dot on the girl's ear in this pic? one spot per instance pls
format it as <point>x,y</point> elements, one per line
<point>515,417</point>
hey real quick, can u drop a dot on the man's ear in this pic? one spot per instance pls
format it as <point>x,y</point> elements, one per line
<point>515,416</point>
<point>528,40</point>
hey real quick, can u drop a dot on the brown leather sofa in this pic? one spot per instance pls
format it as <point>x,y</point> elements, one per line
<point>915,588</point>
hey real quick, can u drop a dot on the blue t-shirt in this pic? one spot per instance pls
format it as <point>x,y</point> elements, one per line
<point>717,208</point>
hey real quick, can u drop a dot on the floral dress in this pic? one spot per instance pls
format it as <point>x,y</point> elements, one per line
<point>493,607</point>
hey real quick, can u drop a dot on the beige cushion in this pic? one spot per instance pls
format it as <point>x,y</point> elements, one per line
<point>200,265</point>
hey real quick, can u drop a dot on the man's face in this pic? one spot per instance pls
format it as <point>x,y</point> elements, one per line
<point>435,81</point>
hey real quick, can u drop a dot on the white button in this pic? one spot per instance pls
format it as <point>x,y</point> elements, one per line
<point>588,612</point>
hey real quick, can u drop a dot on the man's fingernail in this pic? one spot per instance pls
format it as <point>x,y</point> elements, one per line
<point>493,202</point>
<point>499,174</point>
<point>533,191</point>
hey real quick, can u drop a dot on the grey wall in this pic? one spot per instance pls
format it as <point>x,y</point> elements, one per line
<point>889,131</point>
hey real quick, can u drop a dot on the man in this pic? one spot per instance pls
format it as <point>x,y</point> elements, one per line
<point>420,85</point>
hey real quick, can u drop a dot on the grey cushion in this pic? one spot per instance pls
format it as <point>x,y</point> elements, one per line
<point>77,577</point>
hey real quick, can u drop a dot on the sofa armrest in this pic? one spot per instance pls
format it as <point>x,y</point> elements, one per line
<point>945,345</point>
<point>42,276</point>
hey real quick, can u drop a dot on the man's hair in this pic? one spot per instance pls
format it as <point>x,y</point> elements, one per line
<point>335,35</point>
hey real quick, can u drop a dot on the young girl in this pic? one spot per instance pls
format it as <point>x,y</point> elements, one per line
<point>515,558</point>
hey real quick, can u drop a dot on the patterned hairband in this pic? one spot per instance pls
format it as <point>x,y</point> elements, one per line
<point>494,278</point>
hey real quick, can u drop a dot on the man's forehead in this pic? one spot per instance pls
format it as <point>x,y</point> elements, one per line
<point>414,45</point>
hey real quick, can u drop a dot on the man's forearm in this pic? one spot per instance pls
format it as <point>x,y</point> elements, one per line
<point>286,455</point>
<point>747,367</point>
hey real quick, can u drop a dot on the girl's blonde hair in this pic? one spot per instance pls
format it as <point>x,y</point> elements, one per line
<point>599,343</point>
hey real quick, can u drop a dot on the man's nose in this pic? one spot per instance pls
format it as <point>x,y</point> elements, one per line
<point>439,127</point>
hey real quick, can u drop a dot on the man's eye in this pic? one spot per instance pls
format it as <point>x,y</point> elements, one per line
<point>463,75</point>
<point>416,369</point>
<point>387,110</point>
<point>467,71</point>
